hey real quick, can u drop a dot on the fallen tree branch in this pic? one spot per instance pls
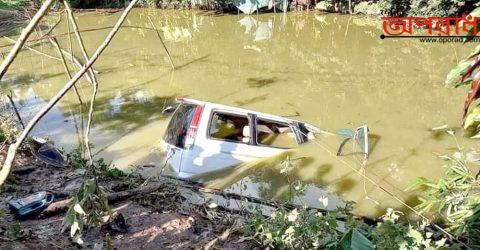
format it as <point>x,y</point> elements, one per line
<point>161,41</point>
<point>23,38</point>
<point>12,150</point>
<point>62,206</point>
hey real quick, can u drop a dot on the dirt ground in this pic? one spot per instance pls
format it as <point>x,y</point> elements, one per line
<point>159,220</point>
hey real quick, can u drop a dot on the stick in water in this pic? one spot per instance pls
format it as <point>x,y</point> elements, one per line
<point>161,40</point>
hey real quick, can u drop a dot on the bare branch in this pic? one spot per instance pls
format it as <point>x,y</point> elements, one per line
<point>12,150</point>
<point>65,67</point>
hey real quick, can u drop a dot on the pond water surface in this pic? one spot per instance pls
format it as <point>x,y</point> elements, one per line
<point>330,70</point>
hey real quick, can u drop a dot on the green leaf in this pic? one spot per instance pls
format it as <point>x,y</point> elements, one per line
<point>416,184</point>
<point>354,240</point>
<point>457,72</point>
<point>473,117</point>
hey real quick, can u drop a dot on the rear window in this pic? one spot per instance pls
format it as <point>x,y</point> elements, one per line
<point>179,124</point>
<point>229,127</point>
<point>275,134</point>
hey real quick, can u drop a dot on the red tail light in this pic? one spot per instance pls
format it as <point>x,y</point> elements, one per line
<point>192,130</point>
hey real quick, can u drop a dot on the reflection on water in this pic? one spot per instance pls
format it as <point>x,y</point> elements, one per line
<point>328,70</point>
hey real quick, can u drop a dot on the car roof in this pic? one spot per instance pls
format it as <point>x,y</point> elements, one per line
<point>241,110</point>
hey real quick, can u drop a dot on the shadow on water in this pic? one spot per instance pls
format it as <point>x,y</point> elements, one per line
<point>129,109</point>
<point>258,82</point>
<point>17,80</point>
<point>200,59</point>
<point>252,100</point>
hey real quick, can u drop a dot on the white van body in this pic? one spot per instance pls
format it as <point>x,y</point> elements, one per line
<point>196,143</point>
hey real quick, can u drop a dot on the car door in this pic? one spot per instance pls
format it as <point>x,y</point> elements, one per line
<point>272,136</point>
<point>225,141</point>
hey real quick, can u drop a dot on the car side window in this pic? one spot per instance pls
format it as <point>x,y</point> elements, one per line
<point>230,127</point>
<point>275,134</point>
<point>178,126</point>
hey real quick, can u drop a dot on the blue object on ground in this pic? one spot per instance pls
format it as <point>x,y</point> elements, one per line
<point>31,204</point>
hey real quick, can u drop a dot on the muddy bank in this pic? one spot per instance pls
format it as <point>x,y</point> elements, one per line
<point>159,219</point>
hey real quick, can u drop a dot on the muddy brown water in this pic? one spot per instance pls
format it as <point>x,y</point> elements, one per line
<point>332,71</point>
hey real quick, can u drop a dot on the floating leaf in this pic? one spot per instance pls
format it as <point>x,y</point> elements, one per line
<point>443,127</point>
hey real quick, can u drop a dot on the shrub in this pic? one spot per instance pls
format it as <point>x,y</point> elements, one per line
<point>367,8</point>
<point>394,7</point>
<point>309,229</point>
<point>454,198</point>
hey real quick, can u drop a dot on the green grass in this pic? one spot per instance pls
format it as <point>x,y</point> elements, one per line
<point>13,4</point>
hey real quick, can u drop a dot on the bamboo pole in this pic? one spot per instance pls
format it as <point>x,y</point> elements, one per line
<point>12,150</point>
<point>65,67</point>
<point>161,40</point>
<point>92,75</point>
<point>23,37</point>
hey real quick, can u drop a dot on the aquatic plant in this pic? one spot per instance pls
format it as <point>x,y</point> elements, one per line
<point>455,198</point>
<point>305,228</point>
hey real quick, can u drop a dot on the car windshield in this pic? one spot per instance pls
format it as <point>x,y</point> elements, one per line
<point>178,126</point>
